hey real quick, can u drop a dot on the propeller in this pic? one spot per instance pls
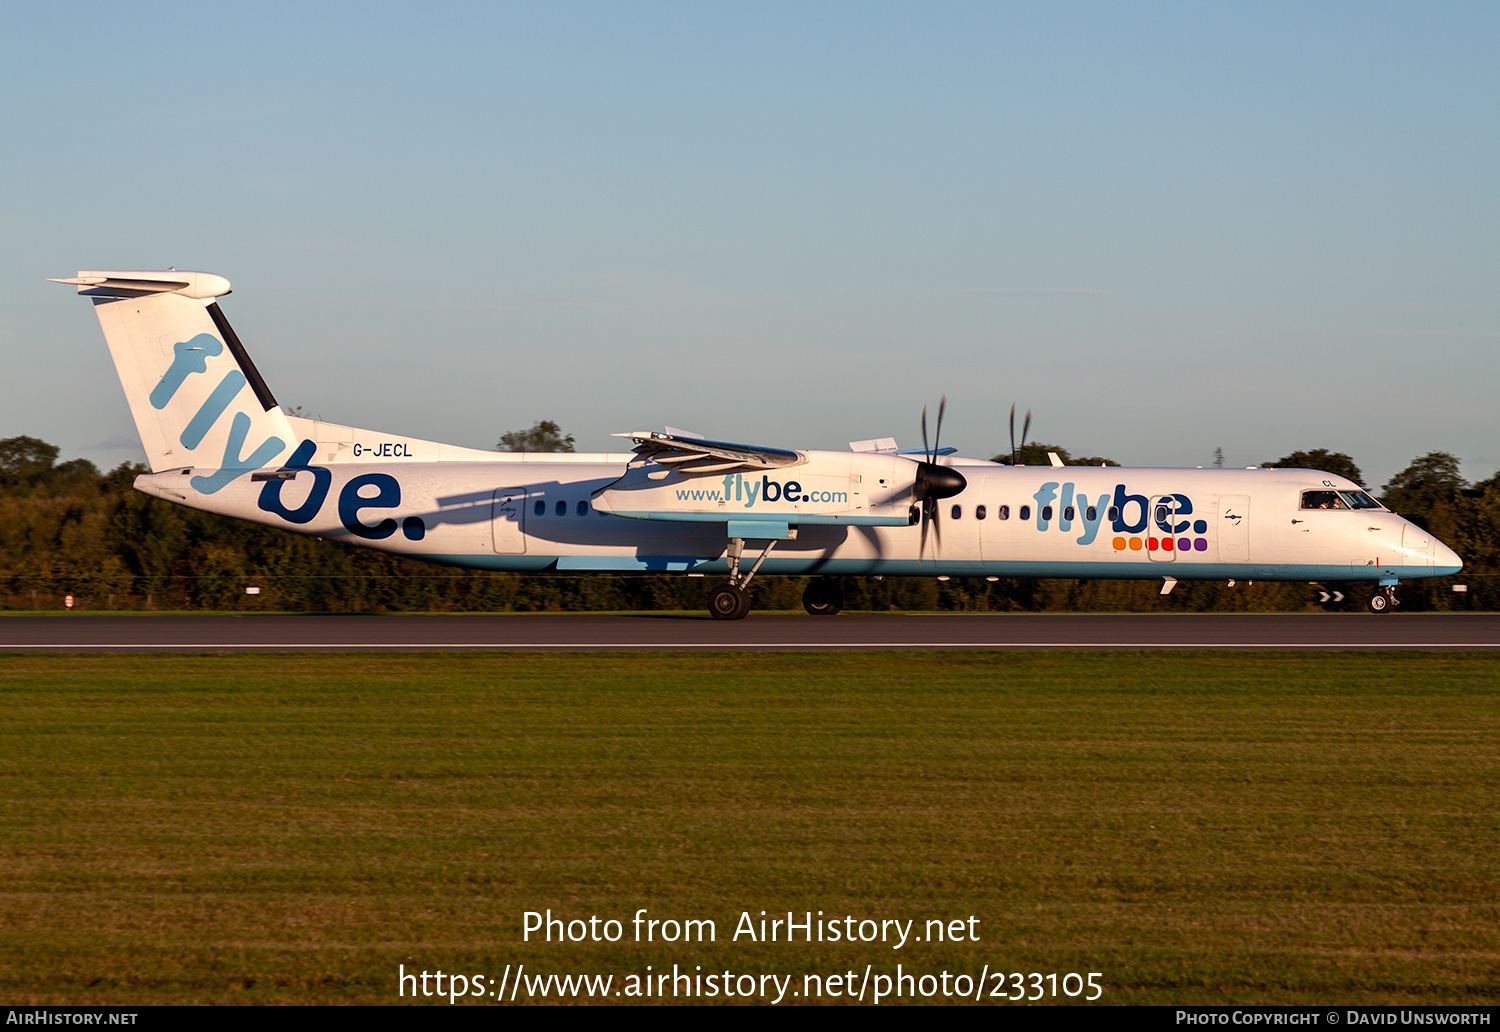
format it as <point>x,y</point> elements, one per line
<point>934,482</point>
<point>1015,454</point>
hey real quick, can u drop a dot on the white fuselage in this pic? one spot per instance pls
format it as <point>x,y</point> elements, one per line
<point>546,512</point>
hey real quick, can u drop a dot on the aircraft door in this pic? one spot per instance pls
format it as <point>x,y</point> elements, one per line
<point>1233,530</point>
<point>1160,540</point>
<point>1417,544</point>
<point>508,520</point>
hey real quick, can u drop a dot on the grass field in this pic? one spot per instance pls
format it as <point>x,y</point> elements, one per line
<point>1198,827</point>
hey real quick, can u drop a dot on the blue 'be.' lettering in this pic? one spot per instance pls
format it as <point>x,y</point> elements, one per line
<point>270,495</point>
<point>387,496</point>
<point>1184,508</point>
<point>1143,509</point>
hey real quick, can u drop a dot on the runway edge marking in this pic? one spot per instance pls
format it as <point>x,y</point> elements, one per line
<point>701,646</point>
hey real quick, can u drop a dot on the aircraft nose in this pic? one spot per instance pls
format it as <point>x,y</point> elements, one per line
<point>1445,561</point>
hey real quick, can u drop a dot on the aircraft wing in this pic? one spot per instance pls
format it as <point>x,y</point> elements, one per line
<point>694,455</point>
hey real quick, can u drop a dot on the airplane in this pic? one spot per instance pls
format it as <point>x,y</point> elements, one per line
<point>676,502</point>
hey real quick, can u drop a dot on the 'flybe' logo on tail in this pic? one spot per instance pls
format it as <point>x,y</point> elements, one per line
<point>189,358</point>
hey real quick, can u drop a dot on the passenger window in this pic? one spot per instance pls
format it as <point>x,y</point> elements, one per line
<point>540,508</point>
<point>1091,513</point>
<point>1025,512</point>
<point>1068,513</point>
<point>979,512</point>
<point>957,512</point>
<point>1114,512</point>
<point>1046,512</point>
<point>562,507</point>
<point>583,508</point>
<point>1323,500</point>
<point>1003,512</point>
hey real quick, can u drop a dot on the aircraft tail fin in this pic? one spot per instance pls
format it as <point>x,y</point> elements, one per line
<point>196,397</point>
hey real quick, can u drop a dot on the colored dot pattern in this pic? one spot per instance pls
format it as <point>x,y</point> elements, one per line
<point>1163,544</point>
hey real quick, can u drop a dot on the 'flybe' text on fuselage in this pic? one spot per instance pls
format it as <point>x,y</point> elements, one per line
<point>1126,513</point>
<point>750,492</point>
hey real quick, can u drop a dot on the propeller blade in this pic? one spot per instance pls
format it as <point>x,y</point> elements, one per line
<point>933,482</point>
<point>1025,429</point>
<point>1013,433</point>
<point>931,519</point>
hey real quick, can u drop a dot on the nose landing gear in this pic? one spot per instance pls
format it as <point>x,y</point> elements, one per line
<point>732,601</point>
<point>729,602</point>
<point>1384,599</point>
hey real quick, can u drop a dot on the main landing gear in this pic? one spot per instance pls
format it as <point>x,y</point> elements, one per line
<point>732,601</point>
<point>823,597</point>
<point>1384,599</point>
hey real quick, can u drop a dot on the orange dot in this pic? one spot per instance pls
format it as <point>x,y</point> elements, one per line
<point>1119,544</point>
<point>1135,544</point>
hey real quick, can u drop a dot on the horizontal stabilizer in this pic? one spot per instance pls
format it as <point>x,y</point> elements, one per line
<point>196,285</point>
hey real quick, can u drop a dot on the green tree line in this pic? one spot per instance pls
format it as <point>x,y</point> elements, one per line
<point>66,528</point>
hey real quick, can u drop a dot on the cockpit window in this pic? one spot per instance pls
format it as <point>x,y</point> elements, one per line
<point>1338,500</point>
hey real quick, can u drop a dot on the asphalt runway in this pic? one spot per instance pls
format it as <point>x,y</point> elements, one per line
<point>79,632</point>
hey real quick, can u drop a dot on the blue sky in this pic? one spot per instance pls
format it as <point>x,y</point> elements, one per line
<point>1164,227</point>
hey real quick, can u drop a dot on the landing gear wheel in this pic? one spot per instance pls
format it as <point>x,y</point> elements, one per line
<point>823,598</point>
<point>729,603</point>
<point>1382,600</point>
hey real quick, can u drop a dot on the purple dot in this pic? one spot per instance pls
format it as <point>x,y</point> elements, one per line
<point>1184,544</point>
<point>1201,544</point>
